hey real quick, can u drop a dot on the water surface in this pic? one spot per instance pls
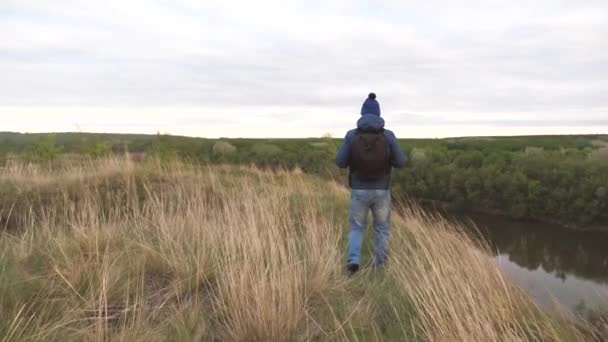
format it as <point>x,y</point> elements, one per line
<point>560,268</point>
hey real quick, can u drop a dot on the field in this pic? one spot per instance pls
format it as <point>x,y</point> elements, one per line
<point>113,250</point>
<point>557,179</point>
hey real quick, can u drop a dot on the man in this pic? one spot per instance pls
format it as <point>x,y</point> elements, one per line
<point>370,152</point>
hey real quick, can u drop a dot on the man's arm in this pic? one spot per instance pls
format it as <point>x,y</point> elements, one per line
<point>398,158</point>
<point>342,158</point>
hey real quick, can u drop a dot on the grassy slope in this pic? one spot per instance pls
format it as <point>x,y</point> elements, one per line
<point>118,251</point>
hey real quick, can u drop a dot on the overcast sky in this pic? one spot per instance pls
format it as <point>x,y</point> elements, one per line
<point>302,68</point>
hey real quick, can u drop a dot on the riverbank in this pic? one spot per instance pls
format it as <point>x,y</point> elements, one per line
<point>114,250</point>
<point>563,270</point>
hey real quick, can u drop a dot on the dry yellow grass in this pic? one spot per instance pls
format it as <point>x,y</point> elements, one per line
<point>458,293</point>
<point>116,251</point>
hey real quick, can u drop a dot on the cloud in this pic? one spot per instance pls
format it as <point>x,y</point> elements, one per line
<point>425,120</point>
<point>491,62</point>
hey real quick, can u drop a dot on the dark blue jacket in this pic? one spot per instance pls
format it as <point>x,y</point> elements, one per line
<point>370,107</point>
<point>397,158</point>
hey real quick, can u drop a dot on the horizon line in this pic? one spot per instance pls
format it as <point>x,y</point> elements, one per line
<point>301,137</point>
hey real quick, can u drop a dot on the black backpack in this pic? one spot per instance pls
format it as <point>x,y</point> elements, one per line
<point>369,155</point>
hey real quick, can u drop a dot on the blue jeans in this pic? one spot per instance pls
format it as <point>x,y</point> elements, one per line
<point>361,201</point>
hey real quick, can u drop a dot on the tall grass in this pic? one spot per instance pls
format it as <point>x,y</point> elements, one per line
<point>116,251</point>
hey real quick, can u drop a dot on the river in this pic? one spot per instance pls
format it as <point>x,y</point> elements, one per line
<point>563,270</point>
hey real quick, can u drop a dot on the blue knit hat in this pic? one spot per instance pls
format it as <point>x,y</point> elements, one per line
<point>371,106</point>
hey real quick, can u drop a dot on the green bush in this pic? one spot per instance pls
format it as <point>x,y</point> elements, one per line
<point>42,149</point>
<point>265,150</point>
<point>98,149</point>
<point>223,149</point>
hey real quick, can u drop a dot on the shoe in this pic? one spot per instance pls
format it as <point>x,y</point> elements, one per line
<point>352,268</point>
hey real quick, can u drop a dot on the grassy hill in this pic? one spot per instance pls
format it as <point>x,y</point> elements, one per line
<point>111,250</point>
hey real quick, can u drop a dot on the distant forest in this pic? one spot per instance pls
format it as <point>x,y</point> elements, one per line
<point>561,179</point>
